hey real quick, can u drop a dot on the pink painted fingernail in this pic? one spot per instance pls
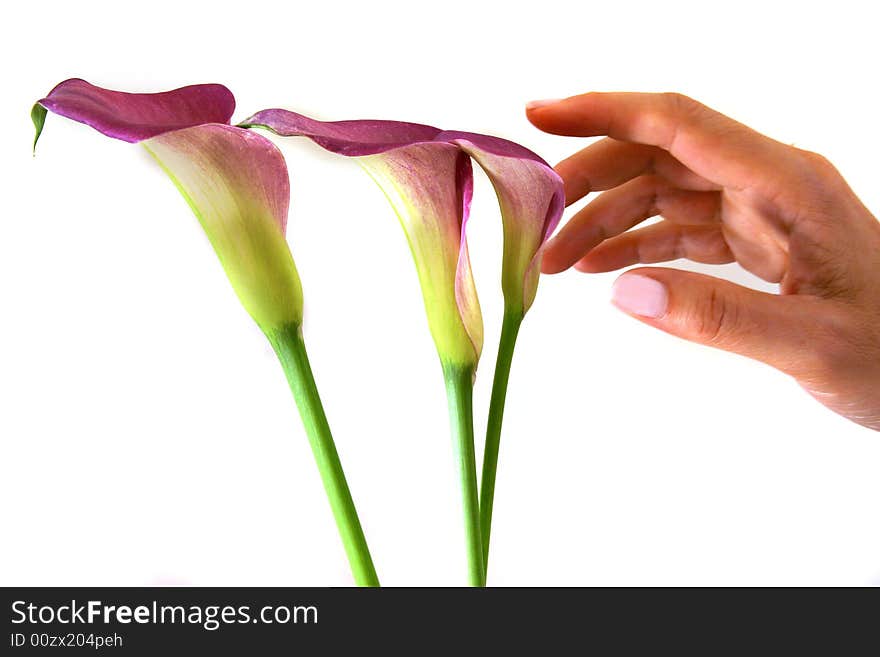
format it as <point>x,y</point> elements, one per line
<point>640,295</point>
<point>535,104</point>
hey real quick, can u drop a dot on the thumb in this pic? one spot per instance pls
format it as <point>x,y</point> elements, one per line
<point>767,327</point>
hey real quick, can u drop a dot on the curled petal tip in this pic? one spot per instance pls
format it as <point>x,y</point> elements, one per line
<point>133,117</point>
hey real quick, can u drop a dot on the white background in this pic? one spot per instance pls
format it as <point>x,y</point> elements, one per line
<point>147,432</point>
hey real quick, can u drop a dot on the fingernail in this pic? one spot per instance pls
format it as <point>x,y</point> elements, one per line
<point>535,104</point>
<point>640,295</point>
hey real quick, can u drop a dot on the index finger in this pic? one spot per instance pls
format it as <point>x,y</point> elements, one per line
<point>709,143</point>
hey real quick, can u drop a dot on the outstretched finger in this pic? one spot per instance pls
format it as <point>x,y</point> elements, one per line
<point>659,242</point>
<point>709,143</point>
<point>610,162</point>
<point>621,208</point>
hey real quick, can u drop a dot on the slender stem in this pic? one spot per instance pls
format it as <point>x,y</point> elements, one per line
<point>291,350</point>
<point>459,392</point>
<point>509,331</point>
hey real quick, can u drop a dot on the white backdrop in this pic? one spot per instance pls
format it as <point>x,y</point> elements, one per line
<point>147,432</point>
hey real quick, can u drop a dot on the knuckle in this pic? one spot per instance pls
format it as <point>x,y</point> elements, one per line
<point>678,101</point>
<point>666,116</point>
<point>676,111</point>
<point>817,164</point>
<point>710,242</point>
<point>684,107</point>
<point>715,319</point>
<point>817,186</point>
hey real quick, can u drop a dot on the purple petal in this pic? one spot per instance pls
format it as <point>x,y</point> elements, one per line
<point>352,138</point>
<point>465,288</point>
<point>133,117</point>
<point>490,144</point>
<point>532,199</point>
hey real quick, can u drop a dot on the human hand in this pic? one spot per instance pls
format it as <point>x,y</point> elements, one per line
<point>726,193</point>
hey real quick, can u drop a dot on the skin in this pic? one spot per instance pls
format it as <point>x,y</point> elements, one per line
<point>726,193</point>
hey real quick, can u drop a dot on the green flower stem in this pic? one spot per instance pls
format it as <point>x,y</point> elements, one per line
<point>459,392</point>
<point>291,350</point>
<point>509,331</point>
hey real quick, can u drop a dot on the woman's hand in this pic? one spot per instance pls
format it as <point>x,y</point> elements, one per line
<point>726,193</point>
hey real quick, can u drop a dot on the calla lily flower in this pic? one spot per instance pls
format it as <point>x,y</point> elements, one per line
<point>236,183</point>
<point>425,173</point>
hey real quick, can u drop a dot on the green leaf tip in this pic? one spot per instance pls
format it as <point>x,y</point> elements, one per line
<point>38,116</point>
